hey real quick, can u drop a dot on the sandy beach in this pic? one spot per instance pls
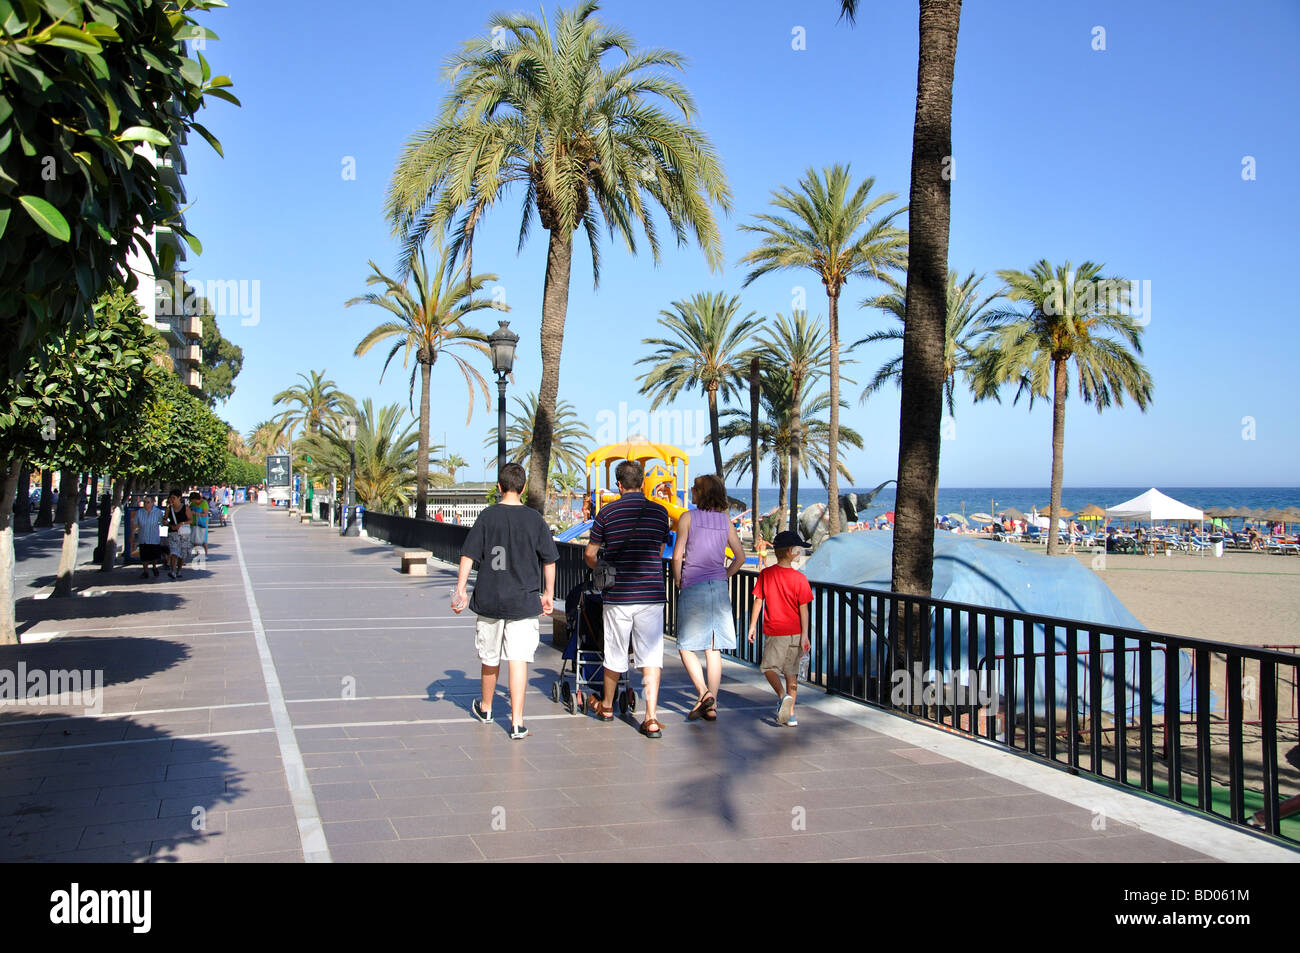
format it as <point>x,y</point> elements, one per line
<point>1240,597</point>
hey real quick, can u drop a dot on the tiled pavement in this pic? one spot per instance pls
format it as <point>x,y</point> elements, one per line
<point>377,674</point>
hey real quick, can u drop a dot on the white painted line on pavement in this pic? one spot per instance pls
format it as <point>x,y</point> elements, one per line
<point>315,850</point>
<point>371,628</point>
<point>139,741</point>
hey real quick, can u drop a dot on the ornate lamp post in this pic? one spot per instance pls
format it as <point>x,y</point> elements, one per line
<point>349,522</point>
<point>503,342</point>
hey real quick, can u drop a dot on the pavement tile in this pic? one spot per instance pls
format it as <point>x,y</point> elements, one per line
<point>356,832</point>
<point>418,850</point>
<point>509,843</point>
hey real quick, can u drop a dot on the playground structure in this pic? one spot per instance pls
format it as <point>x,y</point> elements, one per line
<point>667,474</point>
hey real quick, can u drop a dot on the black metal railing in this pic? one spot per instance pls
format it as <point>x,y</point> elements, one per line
<point>1190,721</point>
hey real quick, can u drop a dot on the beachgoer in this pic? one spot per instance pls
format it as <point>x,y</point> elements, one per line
<point>199,510</point>
<point>146,522</point>
<point>516,559</point>
<point>177,517</point>
<point>632,531</point>
<point>700,569</point>
<point>782,596</point>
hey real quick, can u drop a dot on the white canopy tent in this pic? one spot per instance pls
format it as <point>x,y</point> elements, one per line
<point>1154,506</point>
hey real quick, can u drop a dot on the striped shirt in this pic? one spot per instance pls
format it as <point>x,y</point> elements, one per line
<point>635,549</point>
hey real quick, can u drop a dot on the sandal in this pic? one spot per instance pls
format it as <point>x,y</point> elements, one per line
<point>711,715</point>
<point>702,708</point>
<point>651,728</point>
<point>604,713</point>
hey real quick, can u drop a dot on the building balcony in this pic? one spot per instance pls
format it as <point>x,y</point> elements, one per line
<point>169,236</point>
<point>193,378</point>
<point>195,353</point>
<point>193,326</point>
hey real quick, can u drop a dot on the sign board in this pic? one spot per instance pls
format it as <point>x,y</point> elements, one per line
<point>277,470</point>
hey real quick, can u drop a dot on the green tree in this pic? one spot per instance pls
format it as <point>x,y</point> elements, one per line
<point>315,402</point>
<point>83,88</point>
<point>1067,317</point>
<point>838,232</point>
<point>264,440</point>
<point>576,117</point>
<point>708,350</point>
<point>571,436</point>
<point>387,453</point>
<point>221,360</point>
<point>453,462</point>
<point>967,321</point>
<point>922,373</point>
<point>429,322</point>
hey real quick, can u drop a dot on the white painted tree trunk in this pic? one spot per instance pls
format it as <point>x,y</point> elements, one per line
<point>8,627</point>
<point>108,556</point>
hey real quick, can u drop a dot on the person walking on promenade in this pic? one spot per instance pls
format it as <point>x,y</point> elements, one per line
<point>177,517</point>
<point>147,521</point>
<point>782,596</point>
<point>633,531</point>
<point>516,559</point>
<point>700,569</point>
<point>200,510</point>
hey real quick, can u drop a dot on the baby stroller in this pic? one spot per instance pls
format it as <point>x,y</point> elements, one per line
<point>584,656</point>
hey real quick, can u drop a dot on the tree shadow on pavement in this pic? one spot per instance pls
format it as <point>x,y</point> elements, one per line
<point>112,605</point>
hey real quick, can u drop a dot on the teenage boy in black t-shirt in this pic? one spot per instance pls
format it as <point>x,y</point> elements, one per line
<point>516,559</point>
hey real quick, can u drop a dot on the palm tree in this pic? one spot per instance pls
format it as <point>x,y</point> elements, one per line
<point>839,232</point>
<point>567,484</point>
<point>922,373</point>
<point>707,350</point>
<point>569,448</point>
<point>387,453</point>
<point>318,401</point>
<point>796,348</point>
<point>588,142</point>
<point>1067,321</point>
<point>453,462</point>
<point>428,321</point>
<point>778,437</point>
<point>264,440</point>
<point>967,321</point>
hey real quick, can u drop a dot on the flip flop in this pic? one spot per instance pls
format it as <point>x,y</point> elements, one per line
<point>711,715</point>
<point>702,708</point>
<point>651,732</point>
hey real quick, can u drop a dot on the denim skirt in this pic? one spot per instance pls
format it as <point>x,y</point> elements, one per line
<point>704,619</point>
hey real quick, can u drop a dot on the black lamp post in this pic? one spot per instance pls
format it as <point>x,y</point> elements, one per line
<point>503,342</point>
<point>349,523</point>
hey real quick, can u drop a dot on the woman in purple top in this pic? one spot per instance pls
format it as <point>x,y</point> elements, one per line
<point>700,568</point>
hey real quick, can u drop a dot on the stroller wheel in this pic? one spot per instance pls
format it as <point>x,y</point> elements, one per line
<point>566,696</point>
<point>631,700</point>
<point>555,691</point>
<point>623,704</point>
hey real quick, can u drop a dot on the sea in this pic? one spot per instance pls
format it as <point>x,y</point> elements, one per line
<point>993,500</point>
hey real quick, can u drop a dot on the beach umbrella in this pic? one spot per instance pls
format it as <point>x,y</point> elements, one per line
<point>1062,512</point>
<point>1014,513</point>
<point>982,517</point>
<point>957,518</point>
<point>1092,512</point>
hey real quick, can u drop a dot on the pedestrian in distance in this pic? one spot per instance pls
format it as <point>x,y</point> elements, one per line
<point>177,519</point>
<point>633,531</point>
<point>782,598</point>
<point>516,556</point>
<point>147,521</point>
<point>701,570</point>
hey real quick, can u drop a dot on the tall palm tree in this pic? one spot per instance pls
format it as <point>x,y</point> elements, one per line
<point>387,453</point>
<point>709,350</point>
<point>453,462</point>
<point>922,377</point>
<point>569,448</point>
<point>967,321</point>
<point>576,117</point>
<point>839,232</point>
<point>567,484</point>
<point>1065,320</point>
<point>264,439</point>
<point>316,402</point>
<point>795,348</point>
<point>785,442</point>
<point>428,322</point>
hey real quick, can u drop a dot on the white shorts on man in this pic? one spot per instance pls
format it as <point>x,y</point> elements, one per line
<point>639,625</point>
<point>511,640</point>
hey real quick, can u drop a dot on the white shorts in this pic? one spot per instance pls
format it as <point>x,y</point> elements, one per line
<point>641,624</point>
<point>514,640</point>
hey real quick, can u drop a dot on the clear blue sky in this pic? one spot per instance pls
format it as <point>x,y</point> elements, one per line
<point>1131,156</point>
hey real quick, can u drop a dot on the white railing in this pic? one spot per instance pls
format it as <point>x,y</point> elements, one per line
<point>461,514</point>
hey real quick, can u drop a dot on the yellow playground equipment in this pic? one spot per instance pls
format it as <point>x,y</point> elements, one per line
<point>662,462</point>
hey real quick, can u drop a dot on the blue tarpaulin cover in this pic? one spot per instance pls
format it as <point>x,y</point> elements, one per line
<point>1004,576</point>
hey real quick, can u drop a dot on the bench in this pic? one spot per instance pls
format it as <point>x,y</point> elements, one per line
<point>415,562</point>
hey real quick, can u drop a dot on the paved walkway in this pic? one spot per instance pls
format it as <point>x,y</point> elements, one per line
<point>321,712</point>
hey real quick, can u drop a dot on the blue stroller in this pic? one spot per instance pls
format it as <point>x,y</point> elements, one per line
<point>584,656</point>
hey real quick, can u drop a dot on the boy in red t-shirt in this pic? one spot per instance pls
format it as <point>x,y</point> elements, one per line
<point>784,593</point>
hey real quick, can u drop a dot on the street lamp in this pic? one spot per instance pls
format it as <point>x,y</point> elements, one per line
<point>349,523</point>
<point>503,342</point>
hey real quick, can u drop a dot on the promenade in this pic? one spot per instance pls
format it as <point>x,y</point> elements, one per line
<point>298,698</point>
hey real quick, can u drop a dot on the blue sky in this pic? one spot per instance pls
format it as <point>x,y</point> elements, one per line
<point>1131,156</point>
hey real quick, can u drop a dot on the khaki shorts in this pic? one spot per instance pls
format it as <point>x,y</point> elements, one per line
<point>781,654</point>
<point>514,640</point>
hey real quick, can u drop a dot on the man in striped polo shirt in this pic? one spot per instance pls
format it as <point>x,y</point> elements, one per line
<point>633,531</point>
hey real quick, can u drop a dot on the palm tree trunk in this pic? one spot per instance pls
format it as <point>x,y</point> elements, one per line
<point>921,412</point>
<point>783,497</point>
<point>833,435</point>
<point>555,306</point>
<point>713,430</point>
<point>68,503</point>
<point>796,459</point>
<point>753,447</point>
<point>1061,385</point>
<point>45,515</point>
<point>9,485</point>
<point>422,464</point>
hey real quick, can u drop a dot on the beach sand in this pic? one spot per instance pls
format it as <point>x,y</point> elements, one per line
<point>1241,597</point>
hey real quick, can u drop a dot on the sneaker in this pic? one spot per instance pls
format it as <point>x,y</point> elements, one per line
<point>793,722</point>
<point>170,574</point>
<point>518,732</point>
<point>480,714</point>
<point>785,711</point>
<point>155,572</point>
<point>145,574</point>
